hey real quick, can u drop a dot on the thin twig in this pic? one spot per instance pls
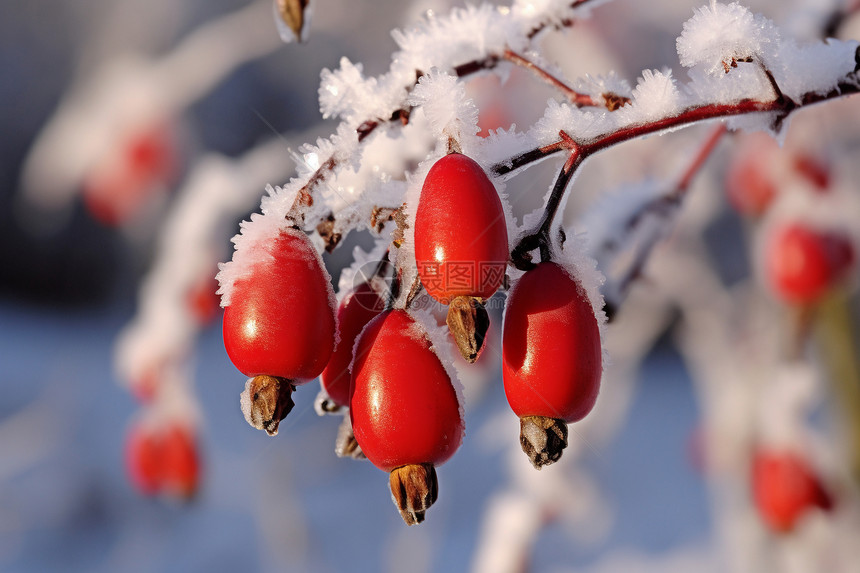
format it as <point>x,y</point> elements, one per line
<point>576,98</point>
<point>402,114</point>
<point>663,207</point>
<point>540,237</point>
<point>700,159</point>
<point>685,118</point>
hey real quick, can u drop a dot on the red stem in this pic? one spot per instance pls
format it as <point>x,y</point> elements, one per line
<point>539,237</point>
<point>699,161</point>
<point>576,98</point>
<point>402,115</point>
<point>687,117</point>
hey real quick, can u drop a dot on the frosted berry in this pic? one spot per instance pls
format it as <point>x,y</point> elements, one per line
<point>354,312</point>
<point>461,245</point>
<point>405,412</point>
<point>551,358</point>
<point>280,327</point>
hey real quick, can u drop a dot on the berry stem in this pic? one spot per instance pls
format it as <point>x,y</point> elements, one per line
<point>539,237</point>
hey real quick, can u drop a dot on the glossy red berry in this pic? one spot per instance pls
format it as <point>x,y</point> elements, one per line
<point>803,263</point>
<point>280,321</point>
<point>403,406</point>
<point>461,240</point>
<point>354,312</point>
<point>785,488</point>
<point>551,350</point>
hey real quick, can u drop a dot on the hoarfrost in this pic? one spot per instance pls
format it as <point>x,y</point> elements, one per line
<point>722,34</point>
<point>449,111</point>
<point>654,97</point>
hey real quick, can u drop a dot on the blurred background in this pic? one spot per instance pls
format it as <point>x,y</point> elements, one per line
<point>164,95</point>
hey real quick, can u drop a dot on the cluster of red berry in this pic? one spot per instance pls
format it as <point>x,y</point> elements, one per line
<point>803,261</point>
<point>281,330</point>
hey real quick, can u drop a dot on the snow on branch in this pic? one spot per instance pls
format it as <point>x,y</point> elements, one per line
<point>739,65</point>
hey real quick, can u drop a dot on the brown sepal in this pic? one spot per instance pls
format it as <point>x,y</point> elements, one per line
<point>543,439</point>
<point>414,488</point>
<point>346,446</point>
<point>292,12</point>
<point>468,322</point>
<point>330,237</point>
<point>271,401</point>
<point>614,101</point>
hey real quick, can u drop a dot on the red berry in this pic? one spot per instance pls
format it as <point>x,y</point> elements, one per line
<point>163,460</point>
<point>118,187</point>
<point>750,187</point>
<point>785,488</point>
<point>803,263</point>
<point>355,311</point>
<point>403,406</point>
<point>181,466</point>
<point>143,459</point>
<point>551,351</point>
<point>279,321</point>
<point>461,240</point>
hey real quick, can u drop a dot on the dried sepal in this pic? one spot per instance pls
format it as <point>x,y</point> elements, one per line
<point>326,230</point>
<point>468,322</point>
<point>414,488</point>
<point>346,446</point>
<point>613,101</point>
<point>292,16</point>
<point>266,401</point>
<point>543,439</point>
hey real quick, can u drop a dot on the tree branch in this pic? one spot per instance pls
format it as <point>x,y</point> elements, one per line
<point>685,118</point>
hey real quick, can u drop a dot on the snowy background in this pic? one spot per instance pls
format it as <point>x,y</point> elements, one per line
<point>68,286</point>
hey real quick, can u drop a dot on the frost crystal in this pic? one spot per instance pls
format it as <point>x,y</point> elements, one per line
<point>448,110</point>
<point>722,34</point>
<point>653,98</point>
